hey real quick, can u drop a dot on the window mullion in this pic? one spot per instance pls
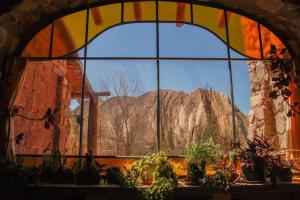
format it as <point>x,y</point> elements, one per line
<point>230,77</point>
<point>83,87</point>
<point>260,42</point>
<point>158,80</point>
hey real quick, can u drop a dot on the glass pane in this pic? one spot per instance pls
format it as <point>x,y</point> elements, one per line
<point>77,54</point>
<point>139,11</point>
<point>268,39</point>
<point>128,40</point>
<point>210,18</point>
<point>49,84</point>
<point>265,116</point>
<point>39,45</point>
<point>103,17</point>
<point>195,104</point>
<point>121,162</point>
<point>174,12</point>
<point>75,75</point>
<point>189,41</point>
<point>243,35</point>
<point>242,92</point>
<point>125,128</point>
<point>69,34</point>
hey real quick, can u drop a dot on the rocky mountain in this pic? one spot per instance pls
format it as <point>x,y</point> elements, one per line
<point>127,125</point>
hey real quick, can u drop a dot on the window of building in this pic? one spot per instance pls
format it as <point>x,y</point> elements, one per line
<point>130,79</point>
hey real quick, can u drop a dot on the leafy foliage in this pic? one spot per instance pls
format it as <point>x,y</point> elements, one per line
<point>15,178</point>
<point>164,178</point>
<point>260,153</point>
<point>114,175</point>
<point>53,168</point>
<point>207,151</point>
<point>204,151</point>
<point>282,76</point>
<point>89,172</point>
<point>258,147</point>
<point>55,158</point>
<point>220,179</point>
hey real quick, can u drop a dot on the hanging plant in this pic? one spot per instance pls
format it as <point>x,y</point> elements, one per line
<point>282,77</point>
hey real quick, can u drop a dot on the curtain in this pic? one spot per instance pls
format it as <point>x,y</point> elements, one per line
<point>12,81</point>
<point>293,138</point>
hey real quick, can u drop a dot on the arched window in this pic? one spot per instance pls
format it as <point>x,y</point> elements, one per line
<point>136,77</point>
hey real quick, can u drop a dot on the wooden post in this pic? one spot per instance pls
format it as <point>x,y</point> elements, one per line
<point>93,124</point>
<point>58,102</point>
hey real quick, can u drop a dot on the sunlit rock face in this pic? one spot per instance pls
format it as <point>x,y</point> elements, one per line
<point>184,118</point>
<point>128,125</point>
<point>45,87</point>
<point>268,116</point>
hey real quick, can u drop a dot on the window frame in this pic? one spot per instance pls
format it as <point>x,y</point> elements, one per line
<point>157,58</point>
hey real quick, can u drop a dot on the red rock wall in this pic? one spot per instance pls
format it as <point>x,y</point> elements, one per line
<point>45,87</point>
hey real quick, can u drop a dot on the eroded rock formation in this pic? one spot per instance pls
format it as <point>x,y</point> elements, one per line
<point>127,125</point>
<point>184,118</point>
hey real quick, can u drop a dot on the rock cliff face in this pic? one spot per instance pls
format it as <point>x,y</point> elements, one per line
<point>267,117</point>
<point>128,125</point>
<point>184,118</point>
<point>45,87</point>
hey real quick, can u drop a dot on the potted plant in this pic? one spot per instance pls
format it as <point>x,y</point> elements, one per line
<point>15,178</point>
<point>89,172</point>
<point>198,155</point>
<point>280,168</point>
<point>146,166</point>
<point>259,159</point>
<point>232,163</point>
<point>64,175</point>
<point>114,175</point>
<point>164,180</point>
<point>254,159</point>
<point>194,173</point>
<point>285,173</point>
<point>53,168</point>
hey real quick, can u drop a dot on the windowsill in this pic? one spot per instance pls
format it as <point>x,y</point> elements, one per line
<point>283,190</point>
<point>234,187</point>
<point>94,156</point>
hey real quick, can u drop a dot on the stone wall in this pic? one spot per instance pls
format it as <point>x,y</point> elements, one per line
<point>267,117</point>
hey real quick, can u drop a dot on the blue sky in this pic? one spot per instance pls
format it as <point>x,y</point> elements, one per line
<point>138,40</point>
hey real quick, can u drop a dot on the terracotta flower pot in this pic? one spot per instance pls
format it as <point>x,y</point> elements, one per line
<point>148,179</point>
